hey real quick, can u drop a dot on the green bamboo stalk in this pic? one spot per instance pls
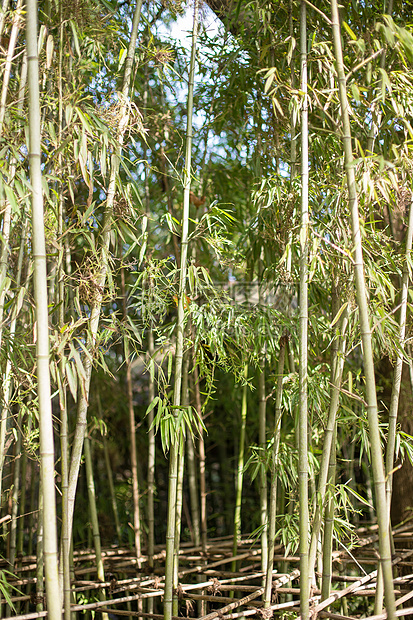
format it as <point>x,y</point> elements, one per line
<point>151,459</point>
<point>274,479</point>
<point>20,533</point>
<point>112,494</point>
<point>42,344</point>
<point>375,124</point>
<point>3,272</point>
<point>94,519</point>
<point>293,160</point>
<point>329,526</point>
<point>397,375</point>
<point>173,456</point>
<point>337,373</point>
<point>361,296</point>
<point>303,344</point>
<point>64,565</point>
<point>262,438</point>
<point>201,452</point>
<point>180,487</point>
<point>132,432</point>
<point>15,495</point>
<point>40,552</point>
<point>31,526</point>
<point>81,423</point>
<point>394,402</point>
<point>240,471</point>
<point>193,490</point>
<point>3,11</point>
<point>15,29</point>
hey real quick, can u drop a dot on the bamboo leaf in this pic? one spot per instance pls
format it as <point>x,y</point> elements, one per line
<point>75,37</point>
<point>71,379</point>
<point>339,313</point>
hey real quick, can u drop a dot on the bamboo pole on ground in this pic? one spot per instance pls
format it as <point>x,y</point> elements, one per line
<point>42,345</point>
<point>303,344</point>
<point>361,296</point>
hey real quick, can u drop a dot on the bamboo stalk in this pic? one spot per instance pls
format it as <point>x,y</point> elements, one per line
<point>240,469</point>
<point>3,11</point>
<point>179,346</point>
<point>262,431</point>
<point>303,372</point>
<point>109,476</point>
<point>132,432</point>
<point>329,433</point>
<point>16,494</point>
<point>81,423</point>
<point>40,554</point>
<point>193,490</point>
<point>329,526</point>
<point>274,478</point>
<point>94,517</point>
<point>42,344</point>
<point>361,295</point>
<point>17,21</point>
<point>201,452</point>
<point>397,375</point>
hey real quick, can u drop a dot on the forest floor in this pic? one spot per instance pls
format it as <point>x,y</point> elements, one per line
<point>210,588</point>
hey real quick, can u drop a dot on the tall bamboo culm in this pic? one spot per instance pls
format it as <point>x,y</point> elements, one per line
<point>303,346</point>
<point>272,513</point>
<point>179,347</point>
<point>240,471</point>
<point>54,606</point>
<point>81,423</point>
<point>362,303</point>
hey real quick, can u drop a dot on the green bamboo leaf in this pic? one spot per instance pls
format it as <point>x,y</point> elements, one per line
<point>349,31</point>
<point>78,362</point>
<point>339,313</point>
<point>152,405</point>
<point>75,37</point>
<point>72,381</point>
<point>357,495</point>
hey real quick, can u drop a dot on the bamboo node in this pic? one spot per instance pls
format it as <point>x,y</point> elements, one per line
<point>215,587</point>
<point>113,581</point>
<point>264,613</point>
<point>37,600</point>
<point>179,592</point>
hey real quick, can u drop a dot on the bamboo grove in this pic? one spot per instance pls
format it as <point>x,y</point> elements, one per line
<point>205,308</point>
